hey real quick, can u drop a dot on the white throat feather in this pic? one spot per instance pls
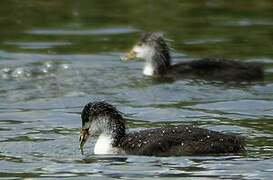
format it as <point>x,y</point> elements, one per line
<point>148,69</point>
<point>104,145</point>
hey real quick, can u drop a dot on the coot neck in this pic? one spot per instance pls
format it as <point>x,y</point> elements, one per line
<point>158,63</point>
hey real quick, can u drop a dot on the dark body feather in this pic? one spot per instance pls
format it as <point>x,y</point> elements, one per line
<point>180,140</point>
<point>217,69</point>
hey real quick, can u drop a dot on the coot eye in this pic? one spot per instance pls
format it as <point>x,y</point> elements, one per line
<point>139,44</point>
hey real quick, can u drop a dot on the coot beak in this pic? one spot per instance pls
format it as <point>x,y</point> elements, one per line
<point>84,134</point>
<point>129,56</point>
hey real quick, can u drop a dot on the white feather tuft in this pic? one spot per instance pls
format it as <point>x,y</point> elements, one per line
<point>104,145</point>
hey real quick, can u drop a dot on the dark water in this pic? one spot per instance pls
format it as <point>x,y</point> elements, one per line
<point>55,56</point>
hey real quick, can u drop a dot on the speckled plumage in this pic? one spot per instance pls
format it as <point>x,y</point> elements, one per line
<point>180,140</point>
<point>165,141</point>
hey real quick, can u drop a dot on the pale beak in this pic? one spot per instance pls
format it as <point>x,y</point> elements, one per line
<point>129,56</point>
<point>84,134</point>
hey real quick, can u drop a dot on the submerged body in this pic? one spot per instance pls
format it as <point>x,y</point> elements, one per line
<point>217,69</point>
<point>154,49</point>
<point>103,118</point>
<point>180,140</point>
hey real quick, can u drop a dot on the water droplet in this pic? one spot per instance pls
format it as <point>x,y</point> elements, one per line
<point>44,70</point>
<point>6,70</point>
<point>18,71</point>
<point>65,66</point>
<point>48,64</point>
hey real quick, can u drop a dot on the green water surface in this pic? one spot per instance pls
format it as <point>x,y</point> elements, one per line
<point>55,56</point>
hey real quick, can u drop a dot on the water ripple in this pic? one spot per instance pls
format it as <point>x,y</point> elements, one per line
<point>37,45</point>
<point>91,32</point>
